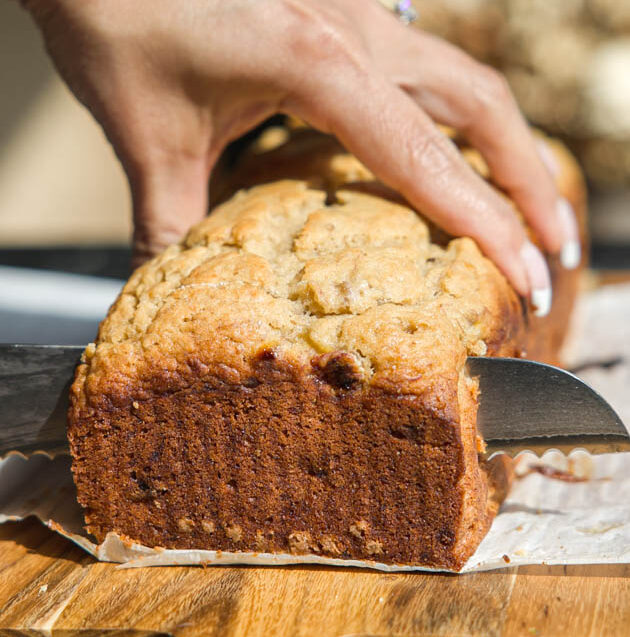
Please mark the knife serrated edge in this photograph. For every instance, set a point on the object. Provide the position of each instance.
(565, 445)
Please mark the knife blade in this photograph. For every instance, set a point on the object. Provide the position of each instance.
(34, 385)
(529, 406)
(523, 405)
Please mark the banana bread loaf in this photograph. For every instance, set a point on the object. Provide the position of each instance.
(290, 378)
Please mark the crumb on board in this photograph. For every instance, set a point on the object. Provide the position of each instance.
(599, 529)
(548, 471)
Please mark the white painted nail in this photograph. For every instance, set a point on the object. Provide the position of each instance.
(547, 157)
(538, 278)
(571, 253)
(541, 300)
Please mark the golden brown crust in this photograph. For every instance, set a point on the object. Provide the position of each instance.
(292, 377)
(278, 267)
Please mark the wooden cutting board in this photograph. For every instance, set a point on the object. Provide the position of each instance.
(50, 586)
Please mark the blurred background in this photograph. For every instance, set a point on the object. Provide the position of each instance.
(64, 202)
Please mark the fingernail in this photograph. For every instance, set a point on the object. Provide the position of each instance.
(571, 253)
(541, 300)
(547, 157)
(537, 277)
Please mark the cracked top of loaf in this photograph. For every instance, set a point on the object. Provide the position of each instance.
(279, 270)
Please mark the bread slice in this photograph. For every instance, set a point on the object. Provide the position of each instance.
(290, 378)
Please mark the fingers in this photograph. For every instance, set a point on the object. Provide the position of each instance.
(399, 143)
(492, 122)
(168, 198)
(455, 90)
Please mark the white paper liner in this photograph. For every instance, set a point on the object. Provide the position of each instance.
(544, 520)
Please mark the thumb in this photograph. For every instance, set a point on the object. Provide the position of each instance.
(168, 198)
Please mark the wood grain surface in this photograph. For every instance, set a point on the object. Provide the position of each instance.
(49, 586)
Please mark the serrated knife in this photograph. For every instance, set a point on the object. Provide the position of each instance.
(524, 405)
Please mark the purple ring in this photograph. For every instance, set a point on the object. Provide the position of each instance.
(405, 11)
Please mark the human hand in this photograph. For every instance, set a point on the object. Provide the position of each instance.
(172, 83)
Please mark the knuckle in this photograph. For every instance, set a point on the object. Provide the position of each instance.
(320, 33)
(434, 165)
(491, 91)
(430, 157)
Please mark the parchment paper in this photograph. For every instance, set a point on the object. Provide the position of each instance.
(544, 520)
